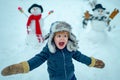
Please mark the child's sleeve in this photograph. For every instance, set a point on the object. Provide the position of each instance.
(93, 61)
(90, 61)
(38, 59)
(26, 66)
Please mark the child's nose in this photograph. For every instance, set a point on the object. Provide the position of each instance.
(62, 38)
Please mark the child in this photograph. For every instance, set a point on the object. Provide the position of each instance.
(61, 48)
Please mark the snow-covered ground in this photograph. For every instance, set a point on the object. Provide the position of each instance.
(13, 36)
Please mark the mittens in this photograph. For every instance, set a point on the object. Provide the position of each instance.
(15, 69)
(97, 63)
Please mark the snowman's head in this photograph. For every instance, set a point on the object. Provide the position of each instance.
(98, 10)
(35, 9)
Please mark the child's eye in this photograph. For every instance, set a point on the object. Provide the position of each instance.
(59, 35)
(65, 35)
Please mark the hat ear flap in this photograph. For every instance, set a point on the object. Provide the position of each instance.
(69, 46)
(73, 37)
(51, 44)
(72, 43)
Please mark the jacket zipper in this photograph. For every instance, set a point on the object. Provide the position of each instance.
(64, 64)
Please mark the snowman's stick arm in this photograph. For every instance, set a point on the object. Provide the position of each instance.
(25, 15)
(49, 13)
(112, 15)
(21, 10)
(45, 17)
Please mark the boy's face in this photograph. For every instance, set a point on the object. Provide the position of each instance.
(61, 39)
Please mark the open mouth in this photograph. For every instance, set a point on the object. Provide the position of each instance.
(61, 43)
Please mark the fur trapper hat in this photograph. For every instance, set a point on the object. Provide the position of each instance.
(57, 26)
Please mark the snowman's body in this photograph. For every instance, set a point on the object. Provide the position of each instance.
(97, 33)
(32, 27)
(99, 21)
(98, 26)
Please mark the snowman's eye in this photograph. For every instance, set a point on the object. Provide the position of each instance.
(100, 10)
(36, 7)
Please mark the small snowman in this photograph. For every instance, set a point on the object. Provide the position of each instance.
(35, 23)
(99, 22)
(100, 19)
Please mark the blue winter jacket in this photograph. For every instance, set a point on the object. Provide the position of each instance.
(60, 64)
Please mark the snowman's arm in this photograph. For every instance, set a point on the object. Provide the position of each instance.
(84, 22)
(114, 13)
(49, 13)
(87, 17)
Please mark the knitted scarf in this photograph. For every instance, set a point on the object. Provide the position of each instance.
(37, 24)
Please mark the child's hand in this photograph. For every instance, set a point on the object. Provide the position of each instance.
(15, 69)
(99, 64)
(12, 69)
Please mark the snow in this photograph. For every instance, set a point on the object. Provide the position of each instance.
(13, 38)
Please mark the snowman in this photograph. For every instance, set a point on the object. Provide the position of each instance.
(35, 24)
(98, 23)
(99, 19)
